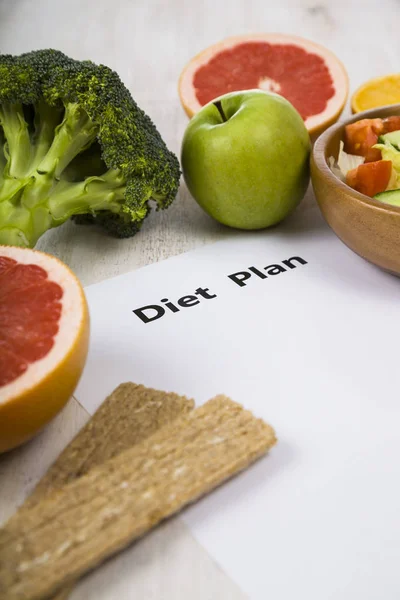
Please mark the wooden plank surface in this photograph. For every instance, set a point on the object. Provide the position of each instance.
(148, 43)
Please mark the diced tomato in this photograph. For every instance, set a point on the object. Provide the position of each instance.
(391, 124)
(370, 178)
(359, 137)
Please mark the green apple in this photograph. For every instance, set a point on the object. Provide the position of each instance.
(245, 158)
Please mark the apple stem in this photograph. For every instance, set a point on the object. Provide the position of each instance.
(221, 112)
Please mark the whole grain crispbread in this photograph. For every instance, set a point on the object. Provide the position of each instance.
(74, 529)
(128, 415)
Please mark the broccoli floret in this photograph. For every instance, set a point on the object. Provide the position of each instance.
(73, 143)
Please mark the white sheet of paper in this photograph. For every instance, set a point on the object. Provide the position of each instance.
(314, 351)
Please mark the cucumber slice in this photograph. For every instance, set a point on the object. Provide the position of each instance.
(392, 138)
(390, 197)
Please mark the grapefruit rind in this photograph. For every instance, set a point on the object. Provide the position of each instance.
(316, 123)
(28, 403)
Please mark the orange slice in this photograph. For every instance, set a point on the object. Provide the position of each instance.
(380, 91)
(44, 333)
(308, 75)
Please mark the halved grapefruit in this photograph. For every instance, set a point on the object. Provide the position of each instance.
(44, 334)
(308, 75)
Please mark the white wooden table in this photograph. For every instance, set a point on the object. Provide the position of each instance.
(148, 43)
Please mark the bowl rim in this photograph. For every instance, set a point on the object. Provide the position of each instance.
(320, 161)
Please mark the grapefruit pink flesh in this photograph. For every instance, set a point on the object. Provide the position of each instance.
(30, 310)
(308, 75)
(301, 77)
(44, 335)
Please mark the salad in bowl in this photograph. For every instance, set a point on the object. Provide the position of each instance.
(369, 158)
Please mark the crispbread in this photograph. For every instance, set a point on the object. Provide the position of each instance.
(88, 520)
(128, 415)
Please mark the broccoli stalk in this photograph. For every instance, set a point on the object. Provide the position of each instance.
(74, 144)
(33, 195)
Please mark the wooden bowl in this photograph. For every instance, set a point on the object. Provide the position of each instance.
(368, 227)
